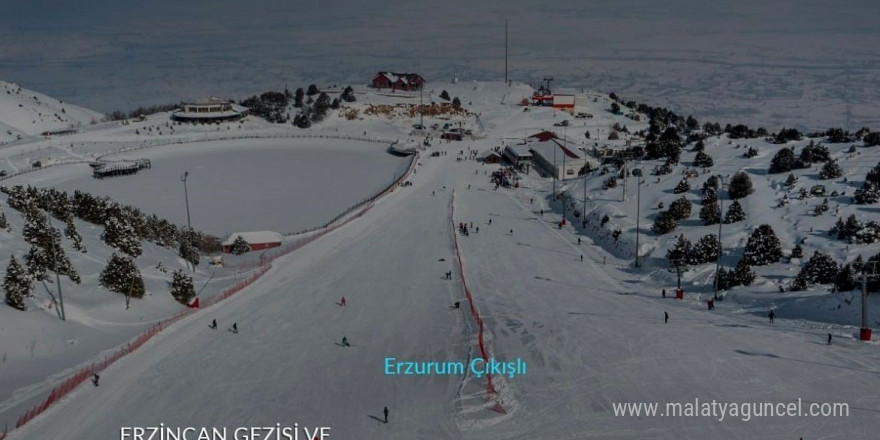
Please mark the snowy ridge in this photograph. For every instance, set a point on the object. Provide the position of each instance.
(26, 113)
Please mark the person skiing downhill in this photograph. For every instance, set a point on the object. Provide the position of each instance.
(234, 327)
(342, 302)
(665, 318)
(385, 411)
(214, 324)
(345, 342)
(771, 315)
(95, 379)
(829, 338)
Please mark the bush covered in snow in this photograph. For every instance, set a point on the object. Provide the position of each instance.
(763, 247)
(820, 269)
(122, 276)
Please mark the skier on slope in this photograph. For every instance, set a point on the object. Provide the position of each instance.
(665, 318)
(771, 315)
(345, 342)
(234, 327)
(214, 324)
(385, 411)
(829, 338)
(342, 302)
(95, 379)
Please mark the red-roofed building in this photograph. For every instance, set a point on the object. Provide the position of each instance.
(398, 81)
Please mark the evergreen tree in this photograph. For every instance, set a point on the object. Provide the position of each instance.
(847, 279)
(711, 184)
(683, 186)
(763, 247)
(820, 269)
(240, 246)
(187, 250)
(298, 98)
(36, 227)
(120, 235)
(313, 90)
(3, 223)
(791, 180)
(699, 146)
(322, 107)
(831, 170)
(705, 251)
(797, 251)
(740, 186)
(444, 95)
(456, 103)
(73, 235)
(680, 252)
(17, 285)
(680, 209)
(348, 95)
(783, 162)
(743, 274)
(335, 104)
(122, 276)
(664, 223)
(710, 213)
(182, 287)
(735, 213)
(868, 194)
(703, 160)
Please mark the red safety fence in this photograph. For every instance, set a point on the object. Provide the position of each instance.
(490, 388)
(85, 373)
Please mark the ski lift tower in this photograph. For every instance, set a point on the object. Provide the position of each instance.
(547, 80)
(865, 330)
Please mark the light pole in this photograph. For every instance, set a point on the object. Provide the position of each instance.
(638, 173)
(565, 141)
(584, 211)
(720, 222)
(555, 173)
(188, 222)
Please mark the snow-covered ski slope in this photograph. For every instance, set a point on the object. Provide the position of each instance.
(587, 342)
(26, 113)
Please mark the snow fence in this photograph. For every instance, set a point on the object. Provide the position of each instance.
(80, 376)
(491, 394)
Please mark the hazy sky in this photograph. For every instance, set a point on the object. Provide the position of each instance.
(811, 63)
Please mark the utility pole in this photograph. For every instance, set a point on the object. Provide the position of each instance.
(564, 153)
(865, 331)
(638, 206)
(555, 173)
(188, 222)
(421, 108)
(720, 222)
(505, 51)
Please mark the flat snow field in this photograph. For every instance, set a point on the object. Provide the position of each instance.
(587, 342)
(234, 185)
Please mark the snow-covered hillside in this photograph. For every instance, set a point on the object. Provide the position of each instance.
(27, 113)
(565, 298)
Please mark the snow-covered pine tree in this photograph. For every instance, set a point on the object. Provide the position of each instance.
(683, 186)
(831, 170)
(680, 252)
(740, 186)
(182, 287)
(17, 284)
(121, 275)
(743, 274)
(763, 247)
(680, 209)
(797, 251)
(705, 251)
(784, 161)
(711, 184)
(791, 180)
(120, 235)
(868, 194)
(703, 160)
(444, 95)
(664, 223)
(348, 95)
(3, 223)
(36, 227)
(73, 235)
(710, 213)
(820, 269)
(240, 246)
(187, 249)
(725, 279)
(735, 213)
